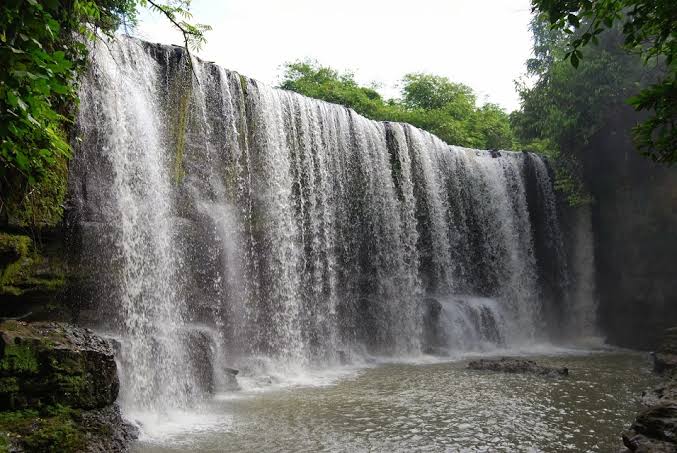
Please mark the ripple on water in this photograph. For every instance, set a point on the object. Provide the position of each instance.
(430, 407)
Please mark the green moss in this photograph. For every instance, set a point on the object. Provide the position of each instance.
(243, 84)
(40, 204)
(54, 429)
(19, 358)
(74, 385)
(10, 291)
(17, 243)
(9, 385)
(19, 253)
(185, 92)
(24, 269)
(15, 272)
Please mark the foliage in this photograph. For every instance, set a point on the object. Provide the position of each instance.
(43, 47)
(567, 106)
(433, 103)
(648, 28)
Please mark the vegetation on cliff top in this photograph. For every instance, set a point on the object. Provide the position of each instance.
(433, 103)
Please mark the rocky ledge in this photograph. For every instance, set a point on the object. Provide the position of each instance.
(58, 385)
(655, 427)
(508, 365)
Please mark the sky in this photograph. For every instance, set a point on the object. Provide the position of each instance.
(482, 43)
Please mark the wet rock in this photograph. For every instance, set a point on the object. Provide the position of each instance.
(58, 384)
(638, 443)
(655, 427)
(230, 377)
(343, 357)
(437, 351)
(665, 357)
(508, 365)
(32, 280)
(664, 363)
(434, 336)
(105, 430)
(199, 345)
(65, 429)
(48, 363)
(658, 422)
(667, 391)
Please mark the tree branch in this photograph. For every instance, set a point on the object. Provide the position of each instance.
(186, 33)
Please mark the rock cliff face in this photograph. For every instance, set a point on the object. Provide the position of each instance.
(58, 386)
(33, 279)
(634, 221)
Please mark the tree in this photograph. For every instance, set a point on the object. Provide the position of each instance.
(43, 50)
(567, 106)
(430, 92)
(313, 80)
(648, 28)
(430, 102)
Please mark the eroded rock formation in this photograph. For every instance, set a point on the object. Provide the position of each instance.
(58, 385)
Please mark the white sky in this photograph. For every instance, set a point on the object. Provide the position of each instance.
(482, 43)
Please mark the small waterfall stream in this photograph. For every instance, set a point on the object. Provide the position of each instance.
(223, 217)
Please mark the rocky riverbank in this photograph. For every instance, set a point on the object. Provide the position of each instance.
(655, 427)
(58, 385)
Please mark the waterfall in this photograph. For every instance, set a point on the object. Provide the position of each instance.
(222, 219)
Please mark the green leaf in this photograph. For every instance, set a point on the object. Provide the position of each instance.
(574, 60)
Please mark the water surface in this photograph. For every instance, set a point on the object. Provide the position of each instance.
(424, 407)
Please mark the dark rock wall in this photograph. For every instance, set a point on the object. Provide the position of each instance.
(58, 386)
(634, 220)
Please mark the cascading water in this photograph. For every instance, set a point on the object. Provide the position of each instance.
(136, 197)
(226, 218)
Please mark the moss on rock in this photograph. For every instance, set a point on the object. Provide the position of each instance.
(19, 359)
(52, 429)
(43, 364)
(31, 280)
(58, 384)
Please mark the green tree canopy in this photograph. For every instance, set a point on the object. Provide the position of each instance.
(432, 103)
(566, 106)
(648, 28)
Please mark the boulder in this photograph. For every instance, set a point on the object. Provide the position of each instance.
(64, 429)
(508, 365)
(230, 379)
(47, 363)
(658, 422)
(58, 385)
(655, 428)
